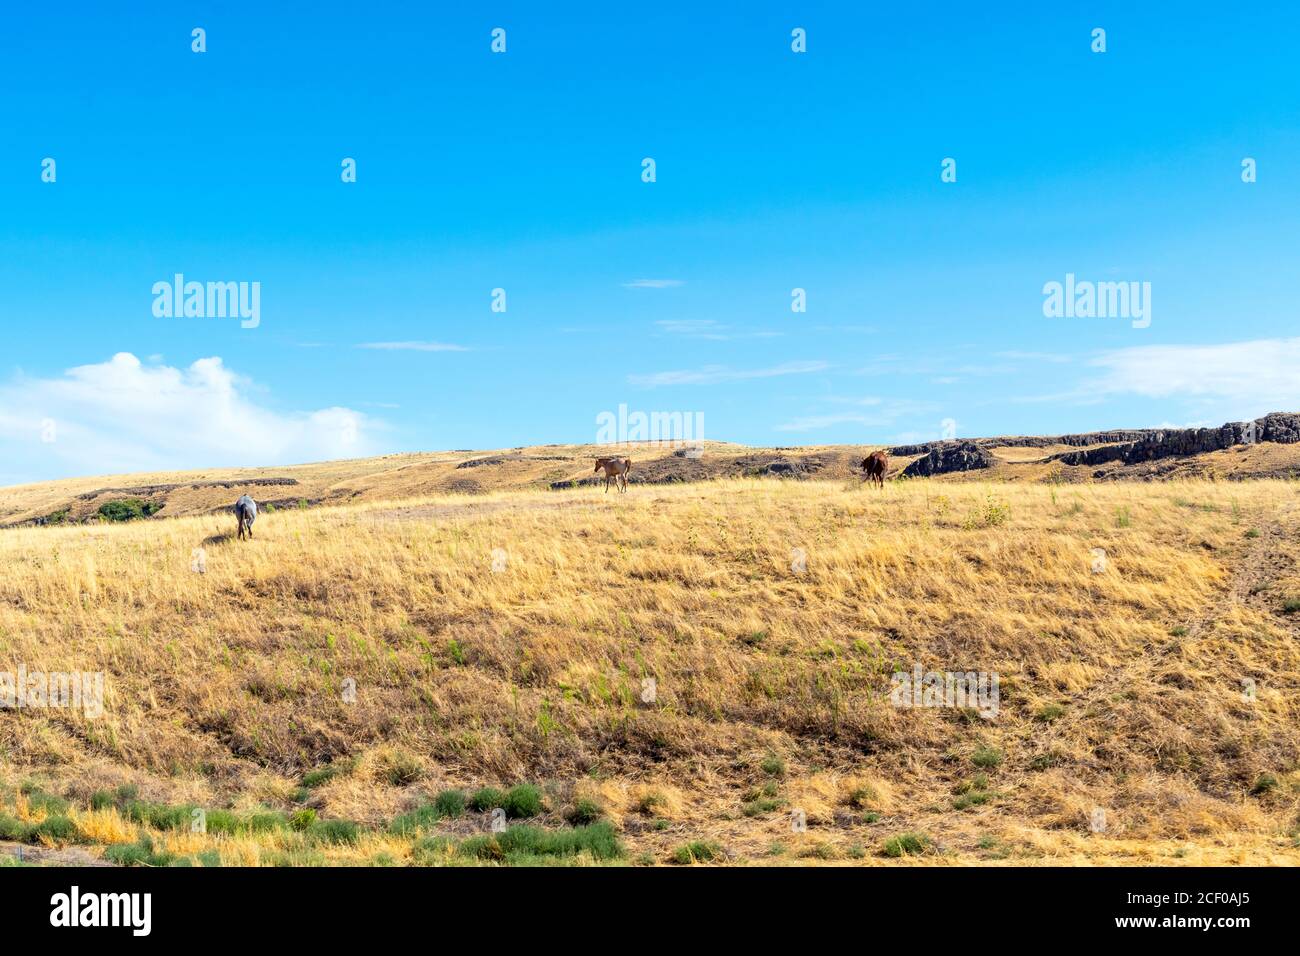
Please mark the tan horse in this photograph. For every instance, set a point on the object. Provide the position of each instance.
(876, 465)
(615, 469)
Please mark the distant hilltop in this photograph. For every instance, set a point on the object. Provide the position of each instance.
(1268, 447)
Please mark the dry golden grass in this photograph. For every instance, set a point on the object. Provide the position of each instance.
(1120, 690)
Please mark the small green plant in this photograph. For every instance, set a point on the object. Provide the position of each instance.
(1122, 518)
(773, 766)
(818, 851)
(1178, 631)
(315, 778)
(139, 853)
(336, 832)
(995, 512)
(584, 812)
(303, 819)
(400, 769)
(697, 851)
(1264, 784)
(906, 844)
(1291, 605)
(1049, 712)
(760, 806)
(986, 757)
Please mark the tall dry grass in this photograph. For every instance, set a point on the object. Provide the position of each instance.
(1120, 690)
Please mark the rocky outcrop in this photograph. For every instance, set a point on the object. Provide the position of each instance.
(1129, 446)
(1029, 441)
(948, 457)
(1280, 427)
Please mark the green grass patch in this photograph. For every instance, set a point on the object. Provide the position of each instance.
(906, 844)
(697, 851)
(522, 802)
(128, 509)
(486, 798)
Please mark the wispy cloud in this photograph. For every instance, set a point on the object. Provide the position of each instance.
(870, 412)
(413, 347)
(1053, 358)
(122, 416)
(709, 330)
(654, 283)
(1246, 378)
(721, 374)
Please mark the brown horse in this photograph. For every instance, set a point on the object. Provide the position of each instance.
(616, 469)
(876, 465)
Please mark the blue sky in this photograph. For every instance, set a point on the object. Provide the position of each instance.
(522, 171)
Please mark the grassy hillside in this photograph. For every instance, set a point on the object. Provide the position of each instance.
(503, 639)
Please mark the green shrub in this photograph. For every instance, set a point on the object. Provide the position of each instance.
(337, 832)
(265, 821)
(314, 778)
(140, 853)
(760, 806)
(481, 847)
(1266, 783)
(303, 819)
(159, 816)
(773, 766)
(11, 828)
(487, 798)
(906, 844)
(128, 509)
(57, 828)
(697, 851)
(450, 804)
(1049, 712)
(598, 840)
(986, 757)
(522, 801)
(584, 812)
(401, 769)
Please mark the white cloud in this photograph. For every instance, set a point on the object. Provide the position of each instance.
(413, 347)
(121, 416)
(653, 283)
(720, 374)
(1241, 378)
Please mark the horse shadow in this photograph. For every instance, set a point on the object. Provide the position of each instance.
(216, 539)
